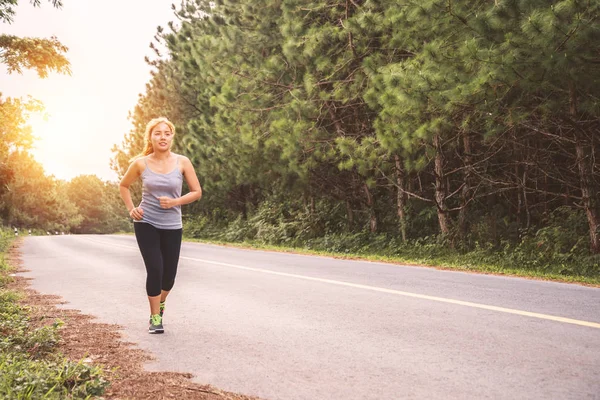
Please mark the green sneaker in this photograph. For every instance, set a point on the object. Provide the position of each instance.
(162, 308)
(162, 311)
(156, 324)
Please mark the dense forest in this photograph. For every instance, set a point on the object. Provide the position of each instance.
(462, 126)
(421, 128)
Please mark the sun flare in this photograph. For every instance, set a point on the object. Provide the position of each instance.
(65, 145)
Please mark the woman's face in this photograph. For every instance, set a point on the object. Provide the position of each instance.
(161, 137)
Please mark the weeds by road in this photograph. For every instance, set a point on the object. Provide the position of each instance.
(50, 352)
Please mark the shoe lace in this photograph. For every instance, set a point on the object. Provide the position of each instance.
(156, 319)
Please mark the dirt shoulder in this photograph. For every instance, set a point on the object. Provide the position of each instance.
(84, 338)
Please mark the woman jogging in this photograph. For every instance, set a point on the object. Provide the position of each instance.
(157, 220)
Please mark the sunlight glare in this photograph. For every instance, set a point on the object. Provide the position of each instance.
(65, 145)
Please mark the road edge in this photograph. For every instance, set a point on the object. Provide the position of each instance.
(85, 339)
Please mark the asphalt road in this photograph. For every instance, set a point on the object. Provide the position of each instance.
(284, 326)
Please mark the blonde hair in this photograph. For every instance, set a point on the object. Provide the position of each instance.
(148, 149)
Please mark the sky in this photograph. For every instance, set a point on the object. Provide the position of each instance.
(86, 113)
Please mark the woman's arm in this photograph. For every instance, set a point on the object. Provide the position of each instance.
(133, 172)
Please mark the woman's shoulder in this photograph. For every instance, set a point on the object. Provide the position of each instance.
(181, 158)
(141, 161)
(139, 164)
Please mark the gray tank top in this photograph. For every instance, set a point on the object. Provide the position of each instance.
(155, 185)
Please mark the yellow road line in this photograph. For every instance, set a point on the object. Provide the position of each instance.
(391, 291)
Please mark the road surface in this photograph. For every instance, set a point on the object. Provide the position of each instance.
(285, 326)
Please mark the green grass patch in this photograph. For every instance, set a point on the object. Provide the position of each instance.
(527, 260)
(30, 365)
(438, 256)
(557, 249)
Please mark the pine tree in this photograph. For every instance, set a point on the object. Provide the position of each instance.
(538, 66)
(475, 120)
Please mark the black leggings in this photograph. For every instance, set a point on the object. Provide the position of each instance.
(160, 251)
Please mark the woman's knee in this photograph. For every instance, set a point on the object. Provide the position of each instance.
(167, 285)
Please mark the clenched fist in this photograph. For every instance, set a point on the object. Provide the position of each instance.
(167, 202)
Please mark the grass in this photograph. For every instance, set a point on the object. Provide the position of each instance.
(449, 261)
(30, 365)
(474, 262)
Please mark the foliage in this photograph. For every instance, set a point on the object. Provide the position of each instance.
(14, 133)
(99, 205)
(30, 366)
(18, 53)
(460, 128)
(28, 198)
(7, 8)
(42, 55)
(24, 378)
(33, 200)
(558, 249)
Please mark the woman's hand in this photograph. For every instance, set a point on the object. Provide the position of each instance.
(136, 213)
(167, 202)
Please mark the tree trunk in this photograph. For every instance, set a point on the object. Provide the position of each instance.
(545, 194)
(244, 201)
(372, 216)
(525, 200)
(440, 189)
(349, 215)
(588, 191)
(400, 197)
(523, 187)
(466, 190)
(587, 197)
(519, 196)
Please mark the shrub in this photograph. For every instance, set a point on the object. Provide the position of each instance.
(30, 367)
(26, 378)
